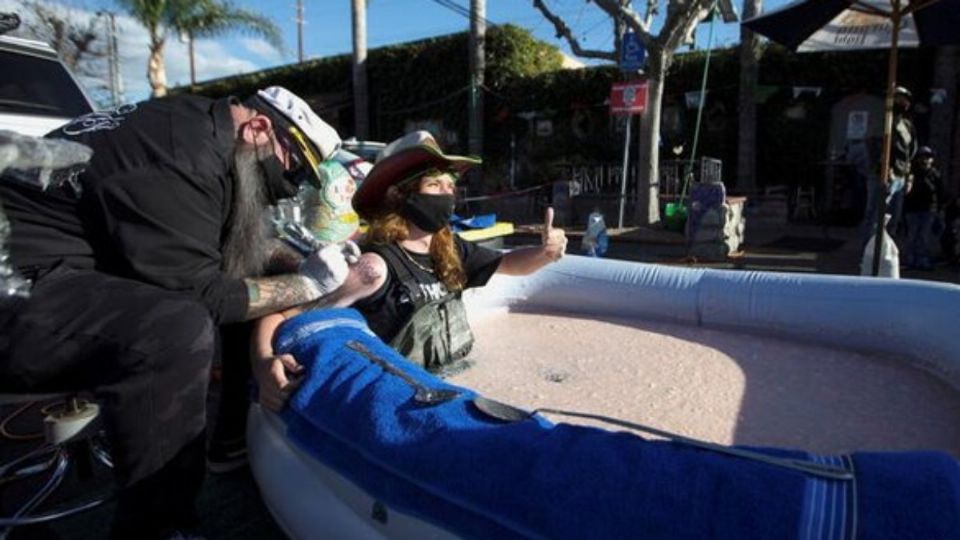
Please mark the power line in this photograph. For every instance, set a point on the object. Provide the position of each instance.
(453, 6)
(459, 10)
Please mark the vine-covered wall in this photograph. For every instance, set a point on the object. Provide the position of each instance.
(538, 115)
(795, 95)
(421, 82)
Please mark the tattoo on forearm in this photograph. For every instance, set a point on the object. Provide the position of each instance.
(272, 294)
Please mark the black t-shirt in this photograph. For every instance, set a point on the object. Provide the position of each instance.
(925, 195)
(390, 307)
(154, 203)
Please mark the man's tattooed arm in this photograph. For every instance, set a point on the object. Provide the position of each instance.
(276, 293)
(364, 279)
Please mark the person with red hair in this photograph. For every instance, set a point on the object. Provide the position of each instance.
(409, 280)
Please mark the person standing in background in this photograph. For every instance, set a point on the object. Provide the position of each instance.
(921, 208)
(903, 148)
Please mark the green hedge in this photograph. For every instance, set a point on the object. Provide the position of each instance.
(426, 79)
(429, 79)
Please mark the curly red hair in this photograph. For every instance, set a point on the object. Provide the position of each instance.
(389, 226)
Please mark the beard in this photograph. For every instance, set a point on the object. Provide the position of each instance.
(246, 248)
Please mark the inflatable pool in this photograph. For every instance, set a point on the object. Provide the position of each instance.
(353, 457)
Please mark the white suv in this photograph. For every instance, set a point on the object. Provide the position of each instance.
(37, 92)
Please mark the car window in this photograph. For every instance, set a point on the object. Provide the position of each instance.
(34, 85)
(367, 150)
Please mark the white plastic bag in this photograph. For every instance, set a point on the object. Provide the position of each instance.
(889, 256)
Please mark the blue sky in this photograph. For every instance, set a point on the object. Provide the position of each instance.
(327, 32)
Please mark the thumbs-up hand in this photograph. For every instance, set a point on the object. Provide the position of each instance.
(554, 240)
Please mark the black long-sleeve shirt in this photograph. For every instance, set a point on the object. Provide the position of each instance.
(154, 204)
(926, 195)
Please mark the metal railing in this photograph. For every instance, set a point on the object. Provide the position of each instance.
(672, 172)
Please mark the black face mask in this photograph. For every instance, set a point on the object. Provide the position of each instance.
(281, 184)
(429, 212)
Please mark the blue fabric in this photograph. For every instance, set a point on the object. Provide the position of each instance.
(481, 221)
(704, 197)
(450, 465)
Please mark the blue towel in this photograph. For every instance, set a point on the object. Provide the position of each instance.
(479, 478)
(482, 221)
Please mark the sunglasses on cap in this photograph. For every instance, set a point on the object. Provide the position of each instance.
(303, 160)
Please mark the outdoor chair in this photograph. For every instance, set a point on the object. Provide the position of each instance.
(805, 203)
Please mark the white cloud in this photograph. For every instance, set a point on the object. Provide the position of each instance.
(213, 58)
(262, 48)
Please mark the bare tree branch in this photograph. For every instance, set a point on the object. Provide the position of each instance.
(563, 31)
(77, 42)
(624, 12)
(682, 19)
(653, 8)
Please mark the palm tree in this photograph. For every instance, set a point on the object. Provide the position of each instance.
(193, 18)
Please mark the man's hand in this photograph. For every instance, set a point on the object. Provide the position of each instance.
(327, 267)
(554, 240)
(277, 377)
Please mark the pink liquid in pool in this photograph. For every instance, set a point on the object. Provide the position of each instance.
(718, 386)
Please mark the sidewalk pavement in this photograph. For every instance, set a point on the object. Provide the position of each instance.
(795, 247)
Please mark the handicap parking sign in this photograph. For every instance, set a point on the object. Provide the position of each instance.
(633, 56)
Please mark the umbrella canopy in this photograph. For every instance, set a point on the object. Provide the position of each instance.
(829, 25)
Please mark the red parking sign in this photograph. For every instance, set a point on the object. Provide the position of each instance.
(628, 97)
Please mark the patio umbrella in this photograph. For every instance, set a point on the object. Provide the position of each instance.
(829, 25)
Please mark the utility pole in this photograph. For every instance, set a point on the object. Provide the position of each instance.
(478, 32)
(113, 58)
(300, 30)
(360, 92)
(193, 60)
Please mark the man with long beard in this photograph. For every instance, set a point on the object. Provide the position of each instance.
(138, 260)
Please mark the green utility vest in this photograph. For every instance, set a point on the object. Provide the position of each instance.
(438, 335)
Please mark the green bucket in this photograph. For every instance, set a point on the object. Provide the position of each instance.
(675, 216)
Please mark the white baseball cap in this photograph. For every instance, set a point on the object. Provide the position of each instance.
(297, 112)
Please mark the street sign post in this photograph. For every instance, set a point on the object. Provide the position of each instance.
(628, 97)
(633, 55)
